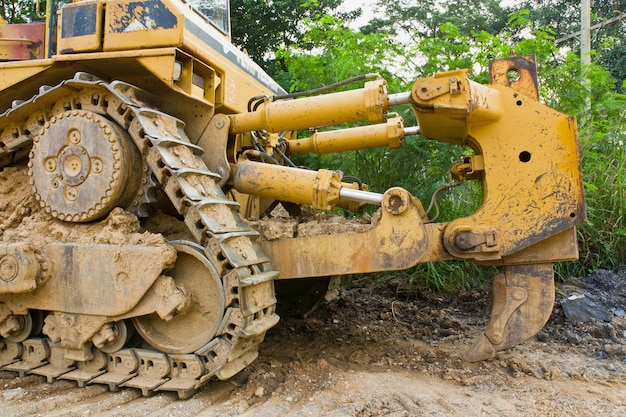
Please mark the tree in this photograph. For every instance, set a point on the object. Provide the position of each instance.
(330, 51)
(261, 26)
(563, 16)
(17, 11)
(423, 19)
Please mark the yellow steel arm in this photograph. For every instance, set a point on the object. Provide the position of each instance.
(526, 159)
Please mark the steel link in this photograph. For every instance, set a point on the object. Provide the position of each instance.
(194, 190)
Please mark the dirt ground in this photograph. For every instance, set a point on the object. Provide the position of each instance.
(379, 349)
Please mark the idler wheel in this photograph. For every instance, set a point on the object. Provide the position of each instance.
(82, 166)
(198, 324)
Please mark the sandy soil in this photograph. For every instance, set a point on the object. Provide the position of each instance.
(379, 349)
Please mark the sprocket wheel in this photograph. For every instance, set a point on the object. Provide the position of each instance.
(82, 165)
(198, 323)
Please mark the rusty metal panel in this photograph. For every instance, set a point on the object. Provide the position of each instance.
(20, 270)
(22, 41)
(83, 278)
(518, 72)
(529, 160)
(398, 241)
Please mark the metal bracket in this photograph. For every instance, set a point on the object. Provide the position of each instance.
(517, 72)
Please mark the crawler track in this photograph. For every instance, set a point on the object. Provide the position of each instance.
(173, 163)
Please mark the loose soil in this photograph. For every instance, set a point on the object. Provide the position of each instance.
(380, 349)
(377, 349)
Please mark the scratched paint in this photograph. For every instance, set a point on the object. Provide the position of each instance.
(142, 16)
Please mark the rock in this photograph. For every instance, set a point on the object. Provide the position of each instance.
(240, 379)
(14, 393)
(573, 338)
(260, 392)
(322, 364)
(603, 331)
(584, 307)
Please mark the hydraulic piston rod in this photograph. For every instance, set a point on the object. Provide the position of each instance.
(321, 189)
(363, 137)
(367, 103)
(360, 196)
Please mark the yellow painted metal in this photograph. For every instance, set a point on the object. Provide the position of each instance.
(232, 87)
(69, 284)
(557, 248)
(449, 103)
(518, 72)
(523, 297)
(20, 270)
(368, 103)
(398, 241)
(197, 79)
(363, 137)
(560, 247)
(317, 188)
(531, 185)
(128, 26)
(15, 72)
(84, 42)
(134, 65)
(215, 74)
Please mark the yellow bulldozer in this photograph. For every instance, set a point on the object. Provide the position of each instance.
(140, 152)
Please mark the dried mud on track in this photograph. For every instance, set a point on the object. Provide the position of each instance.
(380, 350)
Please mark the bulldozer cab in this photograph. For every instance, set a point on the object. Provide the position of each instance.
(217, 12)
(69, 19)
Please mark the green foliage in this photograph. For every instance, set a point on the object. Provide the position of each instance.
(602, 237)
(424, 19)
(333, 53)
(19, 11)
(443, 277)
(563, 18)
(260, 27)
(421, 165)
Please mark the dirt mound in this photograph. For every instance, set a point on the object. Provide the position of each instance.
(22, 219)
